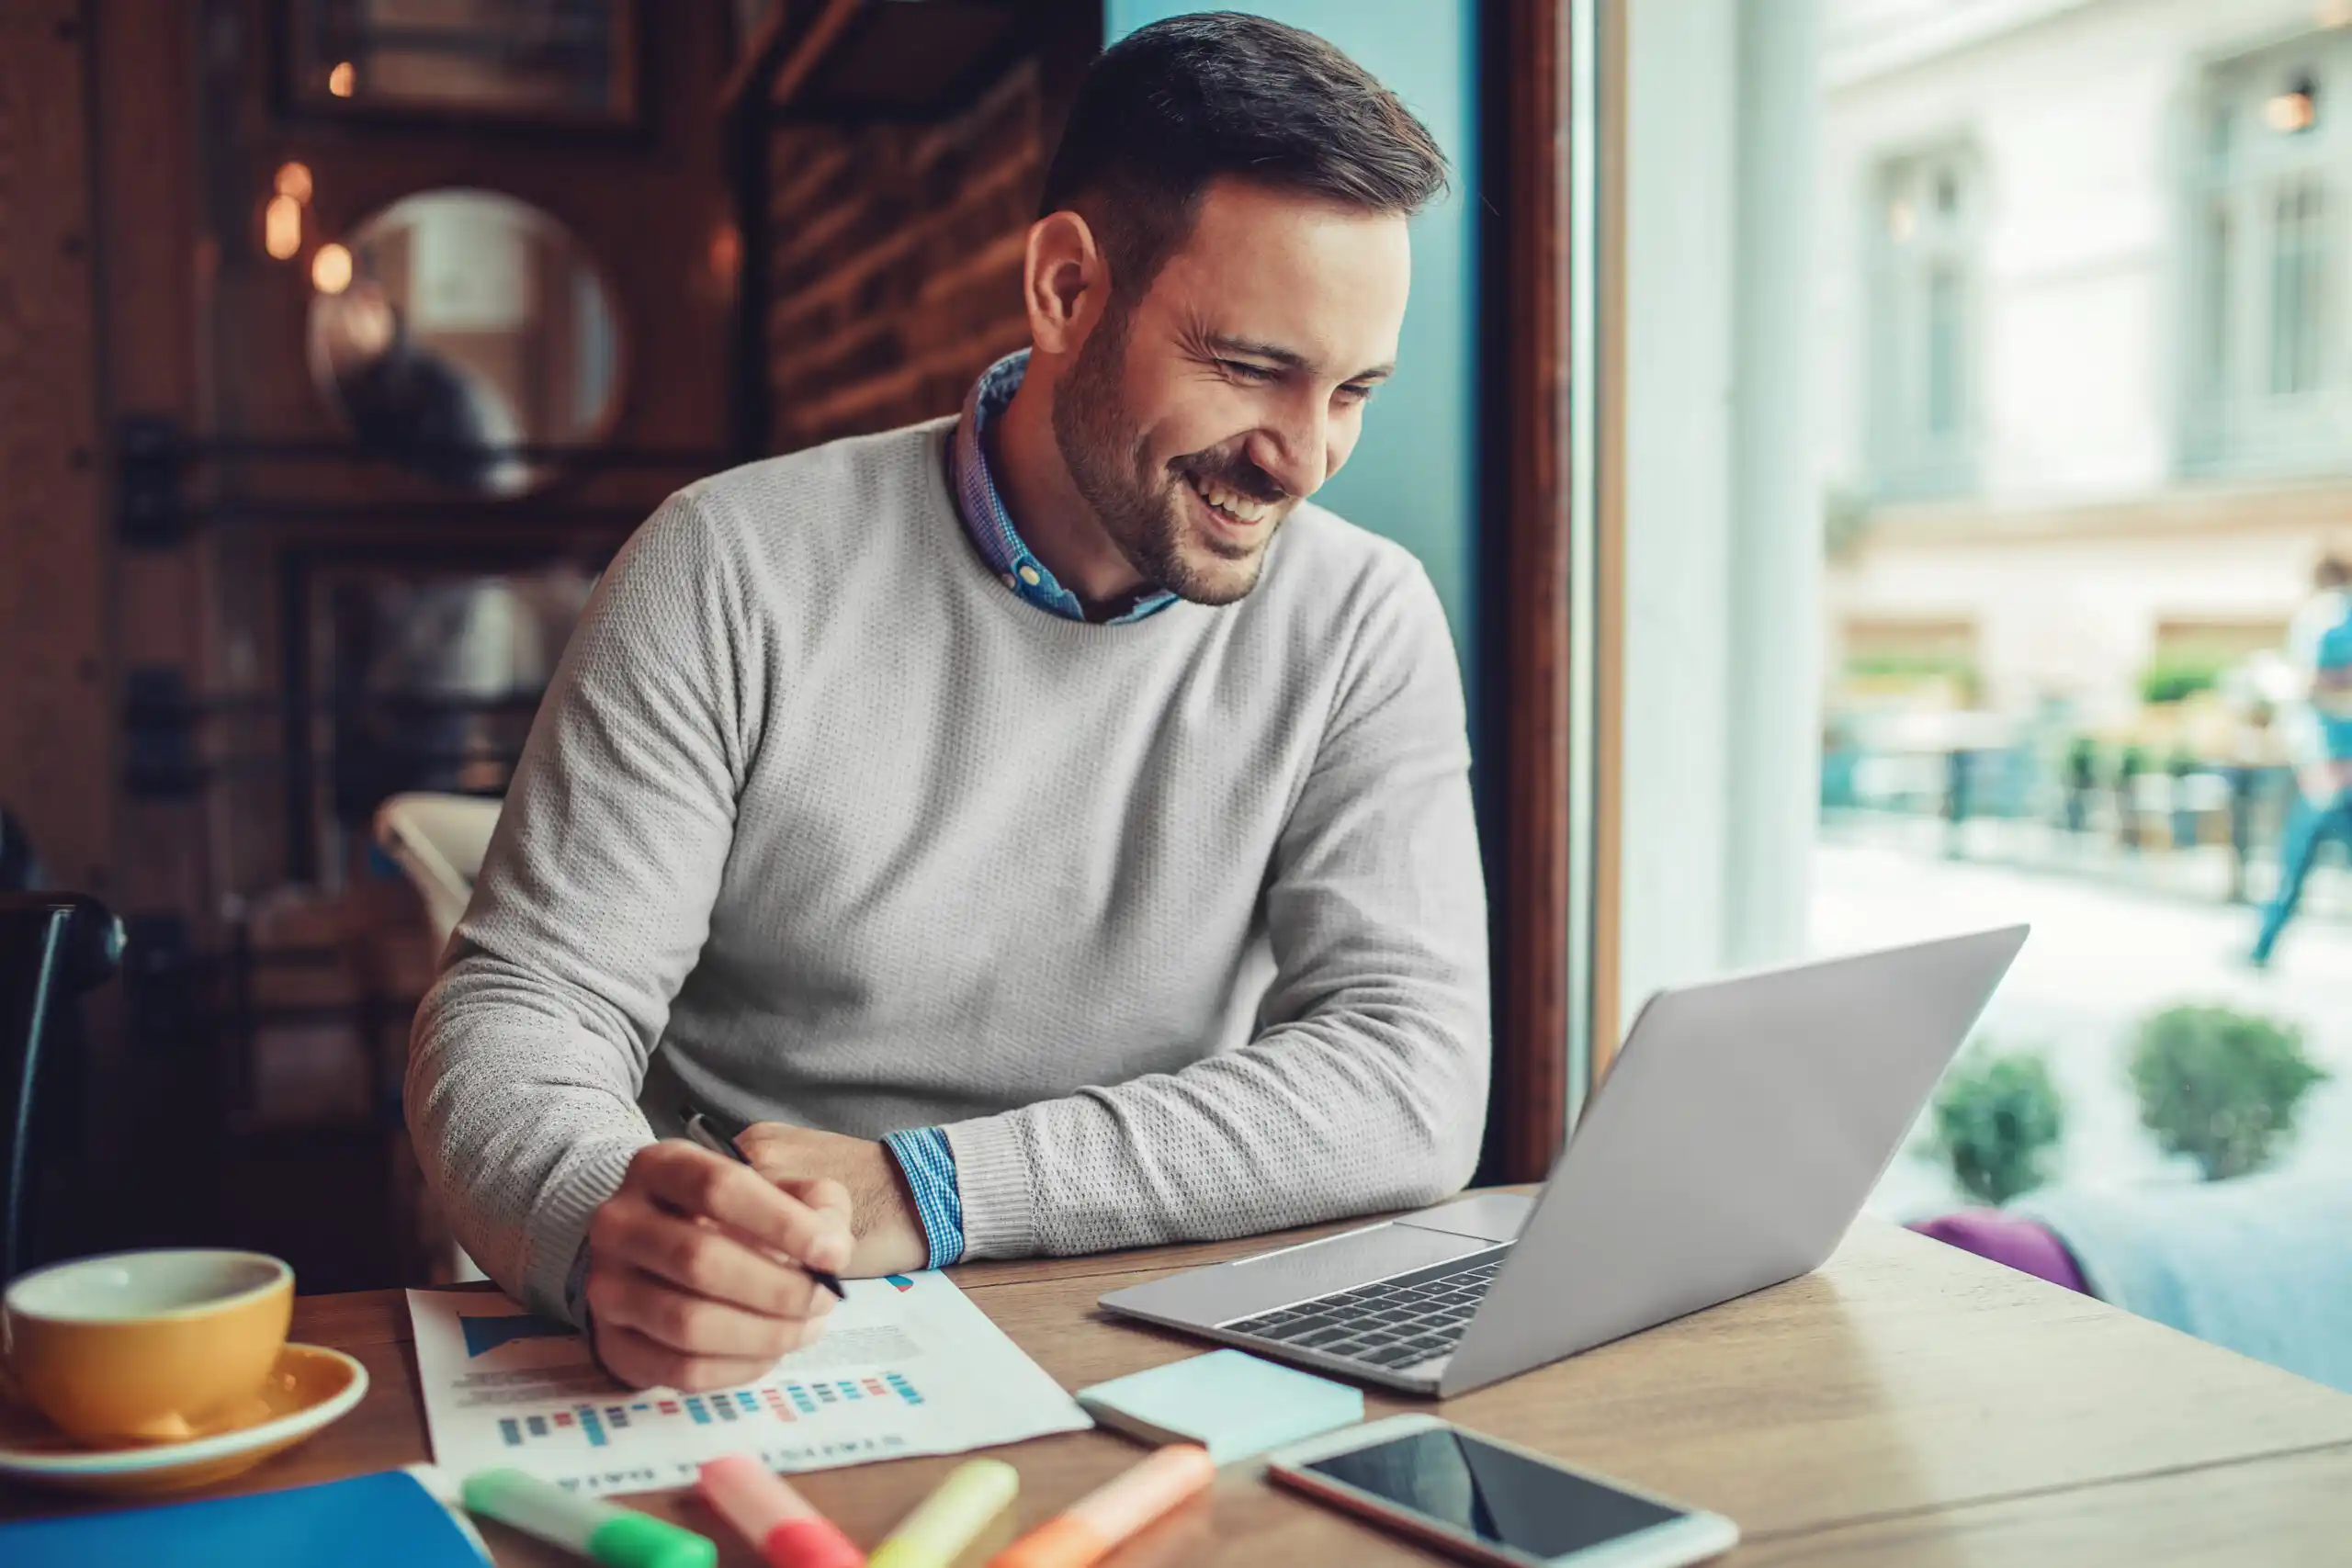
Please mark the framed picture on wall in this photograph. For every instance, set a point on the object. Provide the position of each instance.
(572, 62)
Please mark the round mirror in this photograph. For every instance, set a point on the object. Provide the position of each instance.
(456, 326)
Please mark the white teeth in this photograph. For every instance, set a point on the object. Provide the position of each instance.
(1238, 506)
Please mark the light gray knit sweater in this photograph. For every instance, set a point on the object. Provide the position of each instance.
(1176, 926)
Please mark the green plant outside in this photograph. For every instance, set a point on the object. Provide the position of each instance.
(2177, 677)
(2220, 1086)
(2082, 762)
(1923, 666)
(1909, 669)
(1996, 1118)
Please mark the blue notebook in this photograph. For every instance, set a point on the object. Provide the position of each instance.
(1228, 1401)
(387, 1520)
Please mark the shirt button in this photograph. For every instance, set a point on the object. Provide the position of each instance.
(1007, 579)
(1029, 575)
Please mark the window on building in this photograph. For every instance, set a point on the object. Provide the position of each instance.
(1923, 229)
(2269, 391)
(2298, 284)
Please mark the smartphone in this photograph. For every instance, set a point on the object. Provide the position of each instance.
(1495, 1502)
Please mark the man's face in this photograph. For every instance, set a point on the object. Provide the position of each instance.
(1195, 418)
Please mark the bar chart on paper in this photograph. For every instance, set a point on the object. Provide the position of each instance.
(907, 1366)
(788, 1401)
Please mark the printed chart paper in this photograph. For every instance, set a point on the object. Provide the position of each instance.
(907, 1365)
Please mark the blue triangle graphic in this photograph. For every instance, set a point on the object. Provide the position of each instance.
(485, 1335)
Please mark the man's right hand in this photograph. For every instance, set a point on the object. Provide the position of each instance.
(697, 1269)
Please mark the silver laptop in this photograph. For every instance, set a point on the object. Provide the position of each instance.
(1729, 1148)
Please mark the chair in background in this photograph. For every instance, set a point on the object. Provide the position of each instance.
(53, 947)
(438, 840)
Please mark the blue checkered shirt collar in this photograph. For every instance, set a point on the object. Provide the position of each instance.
(982, 506)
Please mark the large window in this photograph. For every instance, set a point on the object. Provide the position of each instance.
(2092, 229)
(1923, 225)
(2269, 385)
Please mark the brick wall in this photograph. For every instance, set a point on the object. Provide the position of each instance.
(896, 261)
(56, 717)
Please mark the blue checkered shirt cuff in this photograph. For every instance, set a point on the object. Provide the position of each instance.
(930, 1167)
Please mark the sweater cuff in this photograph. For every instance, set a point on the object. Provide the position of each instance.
(555, 1236)
(992, 1170)
(929, 1166)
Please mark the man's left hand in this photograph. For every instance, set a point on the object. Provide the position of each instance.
(887, 1236)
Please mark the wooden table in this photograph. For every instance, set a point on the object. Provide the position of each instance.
(1909, 1403)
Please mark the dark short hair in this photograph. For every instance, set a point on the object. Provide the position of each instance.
(1173, 107)
(2333, 571)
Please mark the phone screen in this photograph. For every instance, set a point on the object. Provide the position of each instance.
(1493, 1494)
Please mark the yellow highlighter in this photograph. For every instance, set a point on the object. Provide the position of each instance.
(951, 1518)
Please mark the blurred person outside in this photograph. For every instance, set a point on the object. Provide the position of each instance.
(2252, 718)
(2319, 648)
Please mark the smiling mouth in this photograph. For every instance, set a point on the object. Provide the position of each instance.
(1231, 507)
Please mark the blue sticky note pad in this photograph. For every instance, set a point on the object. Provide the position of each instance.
(1228, 1401)
(388, 1520)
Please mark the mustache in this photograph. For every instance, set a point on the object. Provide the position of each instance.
(1236, 473)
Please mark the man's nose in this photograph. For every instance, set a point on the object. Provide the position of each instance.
(1293, 453)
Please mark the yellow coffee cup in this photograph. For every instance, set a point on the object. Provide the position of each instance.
(146, 1346)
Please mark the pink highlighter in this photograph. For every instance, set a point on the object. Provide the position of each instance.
(774, 1517)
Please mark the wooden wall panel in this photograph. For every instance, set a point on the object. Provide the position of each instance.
(55, 724)
(143, 72)
(1528, 372)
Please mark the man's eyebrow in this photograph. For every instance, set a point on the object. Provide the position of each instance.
(1250, 348)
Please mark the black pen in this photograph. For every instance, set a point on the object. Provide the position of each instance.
(717, 1133)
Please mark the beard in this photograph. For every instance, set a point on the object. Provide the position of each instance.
(1142, 505)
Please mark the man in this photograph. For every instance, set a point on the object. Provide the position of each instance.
(2319, 649)
(1050, 830)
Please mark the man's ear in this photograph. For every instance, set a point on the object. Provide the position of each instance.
(1064, 281)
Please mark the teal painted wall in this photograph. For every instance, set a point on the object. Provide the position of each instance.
(1414, 475)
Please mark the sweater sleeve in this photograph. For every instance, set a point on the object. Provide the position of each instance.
(591, 907)
(1366, 1087)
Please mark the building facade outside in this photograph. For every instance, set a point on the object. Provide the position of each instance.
(2083, 384)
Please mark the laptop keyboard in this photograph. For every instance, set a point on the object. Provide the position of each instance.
(1397, 1323)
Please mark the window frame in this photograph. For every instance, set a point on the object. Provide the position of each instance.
(1909, 458)
(2239, 420)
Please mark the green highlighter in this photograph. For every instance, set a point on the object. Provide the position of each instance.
(617, 1537)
